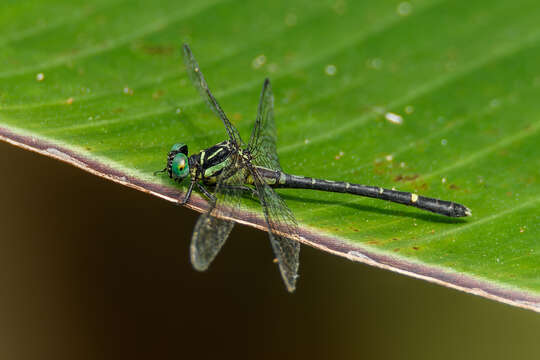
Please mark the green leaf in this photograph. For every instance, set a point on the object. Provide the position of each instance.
(102, 86)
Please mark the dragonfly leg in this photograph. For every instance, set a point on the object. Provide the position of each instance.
(188, 194)
(206, 193)
(160, 171)
(243, 188)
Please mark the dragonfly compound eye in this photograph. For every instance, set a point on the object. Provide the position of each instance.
(179, 166)
(179, 147)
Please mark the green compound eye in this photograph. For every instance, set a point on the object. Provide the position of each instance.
(179, 166)
(179, 147)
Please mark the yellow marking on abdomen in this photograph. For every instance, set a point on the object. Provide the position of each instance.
(414, 198)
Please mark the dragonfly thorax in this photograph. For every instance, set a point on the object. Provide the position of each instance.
(209, 163)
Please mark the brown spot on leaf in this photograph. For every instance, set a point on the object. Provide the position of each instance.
(415, 248)
(156, 49)
(454, 187)
(396, 249)
(157, 94)
(404, 178)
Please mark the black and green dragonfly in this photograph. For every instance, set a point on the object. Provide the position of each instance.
(233, 168)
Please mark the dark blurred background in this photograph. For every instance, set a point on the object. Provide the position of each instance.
(91, 270)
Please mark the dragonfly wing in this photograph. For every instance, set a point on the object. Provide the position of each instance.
(287, 252)
(282, 229)
(211, 229)
(282, 226)
(209, 236)
(262, 143)
(197, 78)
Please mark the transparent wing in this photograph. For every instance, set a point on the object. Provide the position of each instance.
(197, 78)
(211, 230)
(209, 236)
(282, 229)
(262, 143)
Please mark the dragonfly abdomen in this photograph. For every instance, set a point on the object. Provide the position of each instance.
(443, 207)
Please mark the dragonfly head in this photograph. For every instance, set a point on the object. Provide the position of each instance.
(177, 162)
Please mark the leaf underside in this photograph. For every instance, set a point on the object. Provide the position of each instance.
(102, 86)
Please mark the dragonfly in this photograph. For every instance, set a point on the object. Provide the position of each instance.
(233, 168)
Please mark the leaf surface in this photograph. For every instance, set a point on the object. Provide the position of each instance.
(103, 86)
